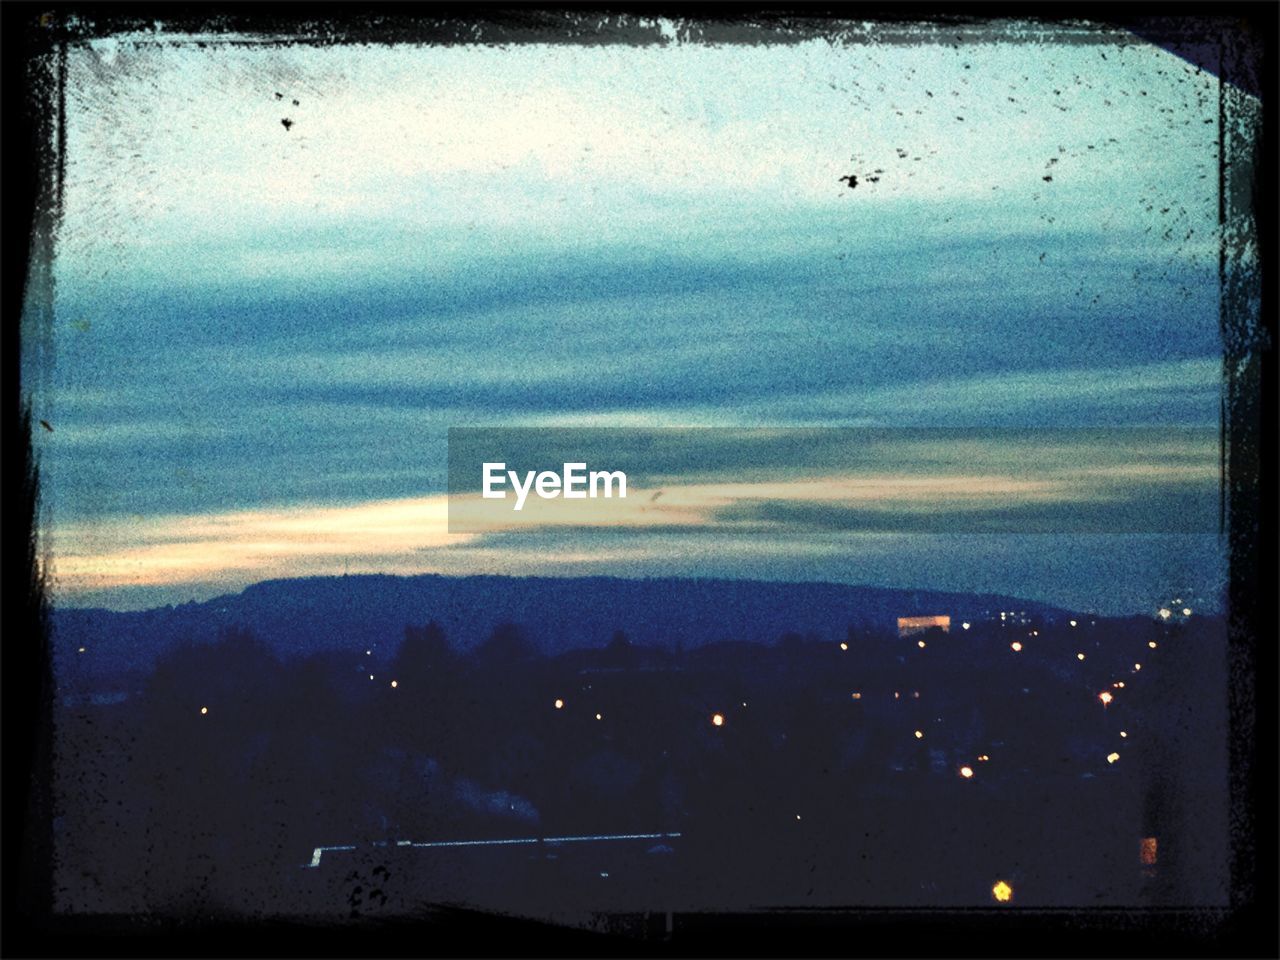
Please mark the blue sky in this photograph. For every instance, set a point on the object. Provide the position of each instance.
(254, 323)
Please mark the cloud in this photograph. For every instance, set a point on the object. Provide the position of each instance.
(750, 484)
(256, 323)
(1117, 394)
(244, 545)
(170, 144)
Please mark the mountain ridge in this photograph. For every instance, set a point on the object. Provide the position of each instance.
(298, 616)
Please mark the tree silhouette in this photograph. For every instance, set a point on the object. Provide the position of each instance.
(505, 647)
(423, 656)
(620, 653)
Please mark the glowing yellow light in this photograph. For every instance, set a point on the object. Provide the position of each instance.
(1123, 734)
(1112, 757)
(1079, 656)
(983, 759)
(394, 684)
(1119, 684)
(717, 719)
(907, 626)
(1148, 850)
(856, 696)
(559, 704)
(1016, 646)
(966, 772)
(599, 717)
(1105, 697)
(203, 711)
(1002, 892)
(1186, 611)
(1072, 622)
(921, 644)
(844, 646)
(1165, 613)
(1137, 666)
(919, 734)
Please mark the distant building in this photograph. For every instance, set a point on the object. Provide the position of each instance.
(909, 626)
(1010, 618)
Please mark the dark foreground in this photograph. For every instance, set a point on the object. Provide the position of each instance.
(935, 769)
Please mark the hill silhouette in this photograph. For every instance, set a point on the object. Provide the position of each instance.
(308, 615)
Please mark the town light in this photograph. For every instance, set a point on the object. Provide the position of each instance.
(1002, 892)
(559, 704)
(394, 684)
(1151, 644)
(919, 734)
(1147, 852)
(1105, 697)
(1112, 757)
(203, 711)
(1016, 646)
(843, 645)
(717, 719)
(1079, 656)
(966, 772)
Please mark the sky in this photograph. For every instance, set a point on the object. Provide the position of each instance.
(261, 333)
